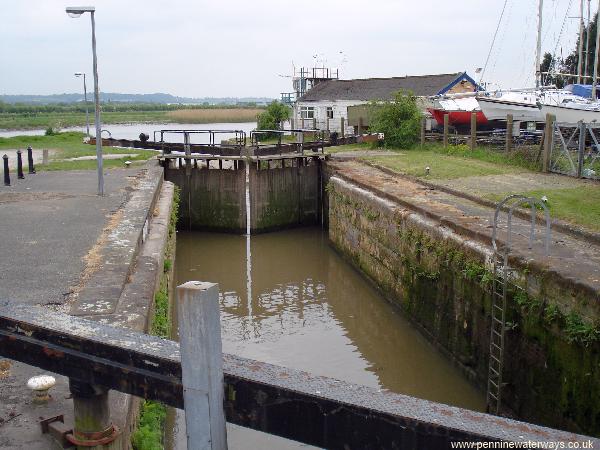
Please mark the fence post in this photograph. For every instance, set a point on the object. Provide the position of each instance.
(327, 124)
(445, 130)
(30, 160)
(292, 123)
(423, 123)
(201, 365)
(45, 157)
(473, 130)
(360, 126)
(548, 142)
(6, 171)
(509, 132)
(581, 149)
(342, 134)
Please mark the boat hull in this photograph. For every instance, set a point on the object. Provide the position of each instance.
(495, 109)
(458, 118)
(571, 115)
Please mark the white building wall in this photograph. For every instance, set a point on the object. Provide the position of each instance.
(340, 109)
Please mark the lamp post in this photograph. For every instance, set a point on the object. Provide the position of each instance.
(76, 11)
(87, 111)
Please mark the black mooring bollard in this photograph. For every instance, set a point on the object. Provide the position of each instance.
(30, 159)
(20, 175)
(6, 171)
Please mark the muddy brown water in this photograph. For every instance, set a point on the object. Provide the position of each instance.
(295, 302)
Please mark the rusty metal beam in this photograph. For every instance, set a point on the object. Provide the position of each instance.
(315, 410)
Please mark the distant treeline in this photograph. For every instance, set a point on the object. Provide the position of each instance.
(26, 108)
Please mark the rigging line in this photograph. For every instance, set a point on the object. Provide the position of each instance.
(562, 29)
(493, 41)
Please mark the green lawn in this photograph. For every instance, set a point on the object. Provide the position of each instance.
(70, 145)
(579, 205)
(442, 165)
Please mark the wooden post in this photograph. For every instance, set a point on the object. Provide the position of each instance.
(360, 126)
(548, 142)
(509, 133)
(292, 123)
(581, 148)
(473, 130)
(201, 365)
(342, 135)
(45, 157)
(423, 122)
(445, 130)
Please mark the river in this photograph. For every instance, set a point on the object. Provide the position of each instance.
(133, 130)
(295, 302)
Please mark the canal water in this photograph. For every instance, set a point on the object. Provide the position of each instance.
(292, 300)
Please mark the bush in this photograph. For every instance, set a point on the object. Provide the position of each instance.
(50, 131)
(274, 115)
(399, 120)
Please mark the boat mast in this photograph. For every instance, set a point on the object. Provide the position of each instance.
(596, 56)
(587, 41)
(538, 53)
(580, 58)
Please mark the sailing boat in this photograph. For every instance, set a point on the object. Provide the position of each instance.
(524, 104)
(579, 109)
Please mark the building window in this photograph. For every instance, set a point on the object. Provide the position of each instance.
(330, 112)
(307, 112)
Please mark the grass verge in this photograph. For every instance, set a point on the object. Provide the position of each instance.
(70, 145)
(578, 205)
(447, 163)
(150, 431)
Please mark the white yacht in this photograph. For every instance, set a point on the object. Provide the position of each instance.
(573, 110)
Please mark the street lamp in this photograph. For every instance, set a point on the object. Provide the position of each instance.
(87, 111)
(76, 11)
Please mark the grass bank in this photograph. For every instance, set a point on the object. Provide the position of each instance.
(64, 146)
(150, 431)
(33, 120)
(493, 175)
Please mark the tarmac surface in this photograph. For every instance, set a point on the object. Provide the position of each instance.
(49, 222)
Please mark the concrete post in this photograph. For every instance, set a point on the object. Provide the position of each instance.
(548, 142)
(201, 365)
(45, 157)
(509, 133)
(423, 123)
(446, 130)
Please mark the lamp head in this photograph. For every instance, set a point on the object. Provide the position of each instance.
(76, 11)
(78, 74)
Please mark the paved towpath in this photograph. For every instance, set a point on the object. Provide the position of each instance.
(48, 223)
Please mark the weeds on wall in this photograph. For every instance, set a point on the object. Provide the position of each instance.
(150, 431)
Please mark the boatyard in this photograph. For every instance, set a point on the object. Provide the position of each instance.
(354, 252)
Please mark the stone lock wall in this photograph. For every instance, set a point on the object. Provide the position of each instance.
(443, 282)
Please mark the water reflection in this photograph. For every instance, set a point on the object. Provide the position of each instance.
(306, 308)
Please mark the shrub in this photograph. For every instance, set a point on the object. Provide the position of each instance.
(274, 115)
(399, 120)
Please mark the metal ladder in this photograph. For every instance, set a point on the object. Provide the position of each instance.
(501, 279)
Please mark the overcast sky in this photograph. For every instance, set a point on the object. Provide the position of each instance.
(244, 47)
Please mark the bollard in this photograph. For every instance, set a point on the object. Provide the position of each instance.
(201, 365)
(92, 425)
(6, 171)
(30, 160)
(20, 175)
